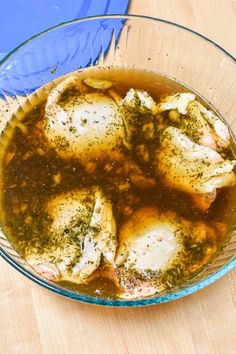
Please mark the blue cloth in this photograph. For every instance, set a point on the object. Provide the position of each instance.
(31, 17)
(22, 19)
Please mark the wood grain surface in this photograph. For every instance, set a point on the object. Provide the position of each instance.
(35, 321)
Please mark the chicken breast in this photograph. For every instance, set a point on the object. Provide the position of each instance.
(138, 109)
(147, 245)
(220, 131)
(178, 101)
(198, 123)
(190, 167)
(156, 251)
(147, 241)
(139, 101)
(82, 230)
(93, 126)
(81, 124)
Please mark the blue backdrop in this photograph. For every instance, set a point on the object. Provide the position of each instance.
(21, 19)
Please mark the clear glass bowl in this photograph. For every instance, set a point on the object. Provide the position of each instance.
(124, 41)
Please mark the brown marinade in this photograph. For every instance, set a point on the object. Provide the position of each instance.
(33, 172)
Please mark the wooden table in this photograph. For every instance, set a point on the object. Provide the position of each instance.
(34, 321)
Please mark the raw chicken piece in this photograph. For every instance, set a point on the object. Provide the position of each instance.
(204, 201)
(197, 122)
(82, 230)
(147, 241)
(132, 287)
(177, 101)
(139, 110)
(99, 84)
(220, 130)
(147, 245)
(197, 128)
(203, 127)
(139, 100)
(154, 245)
(94, 126)
(190, 167)
(87, 126)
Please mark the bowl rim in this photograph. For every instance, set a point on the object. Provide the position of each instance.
(118, 302)
(121, 16)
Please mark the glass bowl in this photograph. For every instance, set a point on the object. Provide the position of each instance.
(124, 41)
